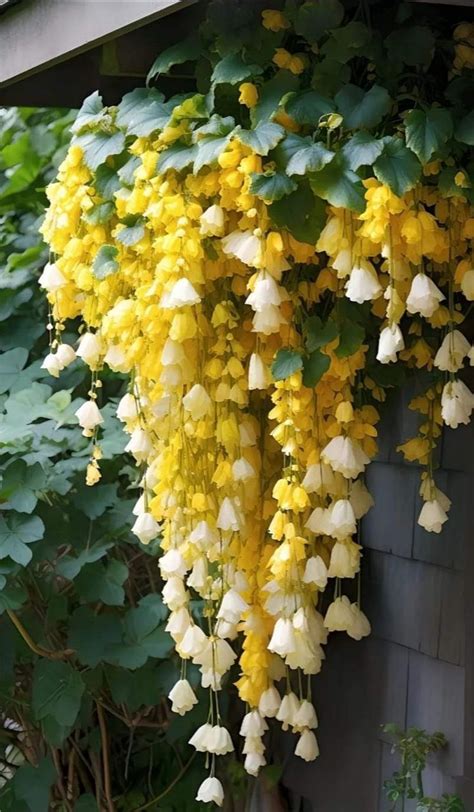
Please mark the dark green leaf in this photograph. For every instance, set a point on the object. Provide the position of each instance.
(208, 150)
(105, 262)
(69, 567)
(309, 159)
(270, 186)
(351, 338)
(142, 112)
(98, 583)
(106, 181)
(100, 213)
(86, 803)
(339, 185)
(363, 109)
(308, 106)
(314, 367)
(427, 131)
(97, 147)
(300, 213)
(21, 484)
(126, 172)
(32, 784)
(187, 50)
(132, 233)
(413, 45)
(263, 138)
(465, 129)
(91, 112)
(232, 69)
(314, 18)
(362, 150)
(57, 691)
(286, 363)
(271, 95)
(397, 166)
(16, 533)
(11, 364)
(93, 648)
(178, 157)
(319, 334)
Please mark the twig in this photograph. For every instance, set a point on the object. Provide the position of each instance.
(105, 758)
(39, 650)
(168, 788)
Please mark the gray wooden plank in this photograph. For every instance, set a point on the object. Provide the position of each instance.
(389, 524)
(452, 630)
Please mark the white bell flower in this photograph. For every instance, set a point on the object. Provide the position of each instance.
(452, 352)
(89, 416)
(265, 292)
(174, 593)
(139, 506)
(178, 623)
(139, 444)
(467, 285)
(244, 245)
(228, 518)
(172, 354)
(172, 563)
(200, 739)
(342, 519)
(363, 284)
(52, 364)
(316, 572)
(319, 522)
(90, 349)
(197, 578)
(219, 741)
(457, 403)
(232, 607)
(253, 724)
(51, 278)
(306, 716)
(288, 710)
(193, 643)
(268, 320)
(307, 747)
(242, 470)
(66, 355)
(146, 528)
(432, 516)
(361, 499)
(283, 640)
(211, 791)
(116, 359)
(270, 702)
(345, 456)
(259, 374)
(182, 697)
(319, 477)
(254, 762)
(127, 408)
(339, 616)
(360, 626)
(390, 342)
(343, 563)
(182, 294)
(212, 221)
(424, 296)
(197, 402)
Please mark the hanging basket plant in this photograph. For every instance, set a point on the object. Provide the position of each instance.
(264, 260)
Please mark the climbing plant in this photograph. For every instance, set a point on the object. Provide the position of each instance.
(264, 260)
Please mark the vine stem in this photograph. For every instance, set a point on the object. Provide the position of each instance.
(168, 789)
(39, 650)
(105, 758)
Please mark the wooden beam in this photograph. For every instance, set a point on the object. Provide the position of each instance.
(468, 3)
(37, 34)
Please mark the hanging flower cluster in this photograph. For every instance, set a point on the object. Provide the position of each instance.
(264, 264)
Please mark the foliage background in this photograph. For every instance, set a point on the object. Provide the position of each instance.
(85, 659)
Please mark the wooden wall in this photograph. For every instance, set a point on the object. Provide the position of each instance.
(415, 669)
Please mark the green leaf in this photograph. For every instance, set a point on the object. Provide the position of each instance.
(70, 566)
(301, 213)
(309, 159)
(126, 172)
(132, 233)
(286, 363)
(397, 166)
(97, 147)
(20, 485)
(57, 691)
(363, 109)
(187, 50)
(413, 45)
(270, 186)
(447, 184)
(271, 94)
(314, 18)
(288, 147)
(262, 139)
(465, 129)
(362, 150)
(12, 598)
(106, 181)
(307, 106)
(178, 156)
(16, 533)
(232, 70)
(98, 583)
(32, 784)
(142, 112)
(217, 125)
(91, 112)
(314, 367)
(11, 364)
(192, 107)
(100, 213)
(319, 334)
(339, 185)
(96, 647)
(105, 262)
(427, 131)
(351, 338)
(346, 42)
(95, 501)
(208, 150)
